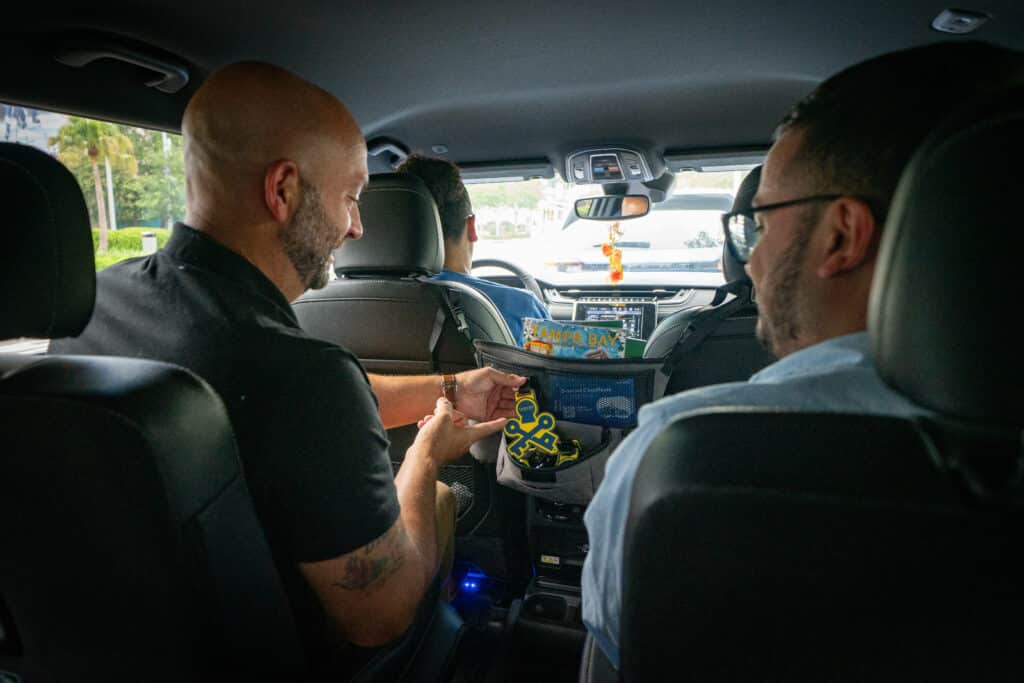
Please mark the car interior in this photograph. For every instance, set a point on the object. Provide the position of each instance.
(760, 545)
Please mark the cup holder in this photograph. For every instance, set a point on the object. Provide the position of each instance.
(549, 607)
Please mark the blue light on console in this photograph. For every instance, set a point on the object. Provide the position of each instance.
(473, 582)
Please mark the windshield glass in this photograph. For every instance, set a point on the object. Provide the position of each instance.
(533, 224)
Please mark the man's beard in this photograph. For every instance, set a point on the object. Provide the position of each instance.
(310, 239)
(779, 328)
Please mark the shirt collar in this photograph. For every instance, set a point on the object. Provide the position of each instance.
(200, 250)
(839, 352)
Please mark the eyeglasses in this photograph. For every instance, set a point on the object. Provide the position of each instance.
(742, 230)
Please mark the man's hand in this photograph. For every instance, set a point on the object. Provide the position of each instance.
(487, 394)
(446, 434)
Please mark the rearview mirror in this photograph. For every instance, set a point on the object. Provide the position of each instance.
(613, 207)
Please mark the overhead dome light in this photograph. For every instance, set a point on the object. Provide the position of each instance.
(959, 21)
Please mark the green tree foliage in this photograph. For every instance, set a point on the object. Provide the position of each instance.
(126, 243)
(85, 142)
(161, 180)
(130, 239)
(521, 195)
(149, 191)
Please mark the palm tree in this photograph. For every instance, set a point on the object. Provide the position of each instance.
(98, 141)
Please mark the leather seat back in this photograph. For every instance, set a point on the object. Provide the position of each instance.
(771, 546)
(382, 307)
(726, 348)
(385, 310)
(764, 545)
(130, 547)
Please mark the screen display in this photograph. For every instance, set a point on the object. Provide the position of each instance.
(605, 167)
(638, 318)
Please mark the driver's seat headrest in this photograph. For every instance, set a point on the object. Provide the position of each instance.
(731, 268)
(47, 269)
(401, 230)
(942, 301)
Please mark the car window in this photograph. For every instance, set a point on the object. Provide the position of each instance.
(132, 179)
(534, 225)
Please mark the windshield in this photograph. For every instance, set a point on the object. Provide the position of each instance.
(533, 224)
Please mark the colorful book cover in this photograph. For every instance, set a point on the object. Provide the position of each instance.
(573, 340)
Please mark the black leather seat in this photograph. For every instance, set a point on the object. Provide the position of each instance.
(129, 547)
(382, 307)
(764, 546)
(715, 343)
(385, 310)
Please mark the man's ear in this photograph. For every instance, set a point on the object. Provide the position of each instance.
(471, 228)
(281, 191)
(851, 238)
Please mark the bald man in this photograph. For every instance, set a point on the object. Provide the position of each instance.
(274, 168)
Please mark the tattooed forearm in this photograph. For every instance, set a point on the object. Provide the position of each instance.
(378, 559)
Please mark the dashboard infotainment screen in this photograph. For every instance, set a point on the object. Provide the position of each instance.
(638, 317)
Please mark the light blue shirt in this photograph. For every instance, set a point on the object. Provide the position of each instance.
(514, 304)
(836, 376)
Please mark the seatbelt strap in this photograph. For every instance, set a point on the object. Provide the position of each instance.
(452, 301)
(701, 327)
(435, 336)
(740, 288)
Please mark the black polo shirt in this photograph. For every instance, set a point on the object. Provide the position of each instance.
(306, 420)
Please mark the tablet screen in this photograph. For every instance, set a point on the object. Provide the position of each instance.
(638, 317)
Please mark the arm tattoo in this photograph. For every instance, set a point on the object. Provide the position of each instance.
(378, 559)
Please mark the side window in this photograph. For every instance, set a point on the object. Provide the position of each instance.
(132, 178)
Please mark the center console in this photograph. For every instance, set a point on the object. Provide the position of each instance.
(557, 539)
(558, 545)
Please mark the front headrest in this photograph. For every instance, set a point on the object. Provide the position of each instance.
(401, 230)
(942, 303)
(47, 269)
(733, 269)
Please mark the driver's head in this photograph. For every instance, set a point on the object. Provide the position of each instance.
(443, 180)
(273, 166)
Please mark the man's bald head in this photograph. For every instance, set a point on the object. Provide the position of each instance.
(248, 115)
(273, 169)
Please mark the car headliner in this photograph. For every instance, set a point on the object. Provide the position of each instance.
(492, 81)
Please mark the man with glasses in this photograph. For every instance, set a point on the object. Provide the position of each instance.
(809, 239)
(458, 224)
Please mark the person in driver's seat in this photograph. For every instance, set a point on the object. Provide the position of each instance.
(459, 226)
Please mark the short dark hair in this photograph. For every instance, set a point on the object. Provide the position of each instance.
(443, 180)
(862, 125)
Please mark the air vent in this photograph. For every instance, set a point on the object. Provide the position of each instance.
(666, 294)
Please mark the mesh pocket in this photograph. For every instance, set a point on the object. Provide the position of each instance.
(574, 482)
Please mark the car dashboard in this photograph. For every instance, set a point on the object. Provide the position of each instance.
(643, 307)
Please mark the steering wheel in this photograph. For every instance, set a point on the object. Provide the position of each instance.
(528, 280)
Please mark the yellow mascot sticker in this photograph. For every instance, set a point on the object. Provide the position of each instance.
(531, 428)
